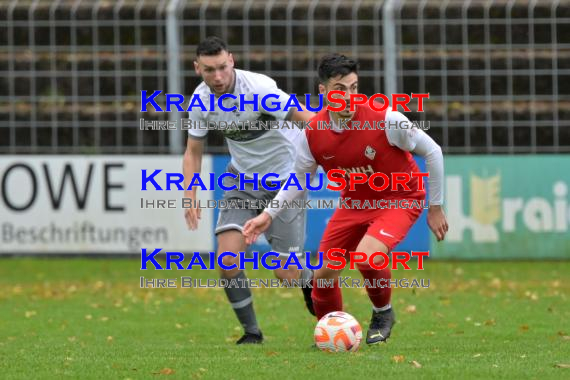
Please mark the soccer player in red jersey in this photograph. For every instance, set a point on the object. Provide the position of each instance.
(366, 151)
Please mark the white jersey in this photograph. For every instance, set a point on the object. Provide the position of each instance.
(252, 151)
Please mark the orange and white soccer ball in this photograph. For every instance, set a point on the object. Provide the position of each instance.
(338, 332)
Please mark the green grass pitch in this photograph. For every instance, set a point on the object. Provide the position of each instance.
(88, 319)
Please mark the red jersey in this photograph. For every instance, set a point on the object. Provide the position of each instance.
(364, 151)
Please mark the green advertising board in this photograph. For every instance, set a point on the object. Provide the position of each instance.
(506, 207)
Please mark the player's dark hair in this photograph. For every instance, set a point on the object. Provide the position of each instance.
(211, 46)
(333, 65)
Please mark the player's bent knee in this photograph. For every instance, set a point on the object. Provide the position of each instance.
(292, 273)
(229, 261)
(378, 258)
(373, 249)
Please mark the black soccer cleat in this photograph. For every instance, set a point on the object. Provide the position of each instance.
(307, 291)
(250, 338)
(380, 326)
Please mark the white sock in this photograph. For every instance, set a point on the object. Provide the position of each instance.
(383, 308)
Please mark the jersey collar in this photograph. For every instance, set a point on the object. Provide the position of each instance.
(336, 126)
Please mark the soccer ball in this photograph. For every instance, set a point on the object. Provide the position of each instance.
(338, 332)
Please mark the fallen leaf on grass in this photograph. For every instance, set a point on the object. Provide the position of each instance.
(98, 285)
(524, 327)
(165, 371)
(415, 364)
(398, 358)
(271, 353)
(532, 295)
(410, 309)
(562, 365)
(490, 322)
(495, 283)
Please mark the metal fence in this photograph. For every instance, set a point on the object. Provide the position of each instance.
(71, 72)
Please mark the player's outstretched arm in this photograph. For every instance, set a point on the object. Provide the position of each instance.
(256, 226)
(304, 163)
(417, 141)
(192, 163)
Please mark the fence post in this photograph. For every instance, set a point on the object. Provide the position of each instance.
(390, 49)
(174, 74)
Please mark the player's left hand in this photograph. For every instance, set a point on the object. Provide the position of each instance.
(437, 222)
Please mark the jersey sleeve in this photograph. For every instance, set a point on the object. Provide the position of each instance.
(417, 141)
(304, 163)
(267, 86)
(196, 117)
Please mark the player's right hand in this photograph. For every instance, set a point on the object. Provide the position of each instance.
(255, 227)
(437, 222)
(192, 215)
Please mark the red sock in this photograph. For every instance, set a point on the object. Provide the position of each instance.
(325, 299)
(379, 296)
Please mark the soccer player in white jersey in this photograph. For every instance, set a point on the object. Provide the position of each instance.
(252, 151)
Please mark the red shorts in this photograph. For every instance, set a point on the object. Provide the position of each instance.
(347, 227)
